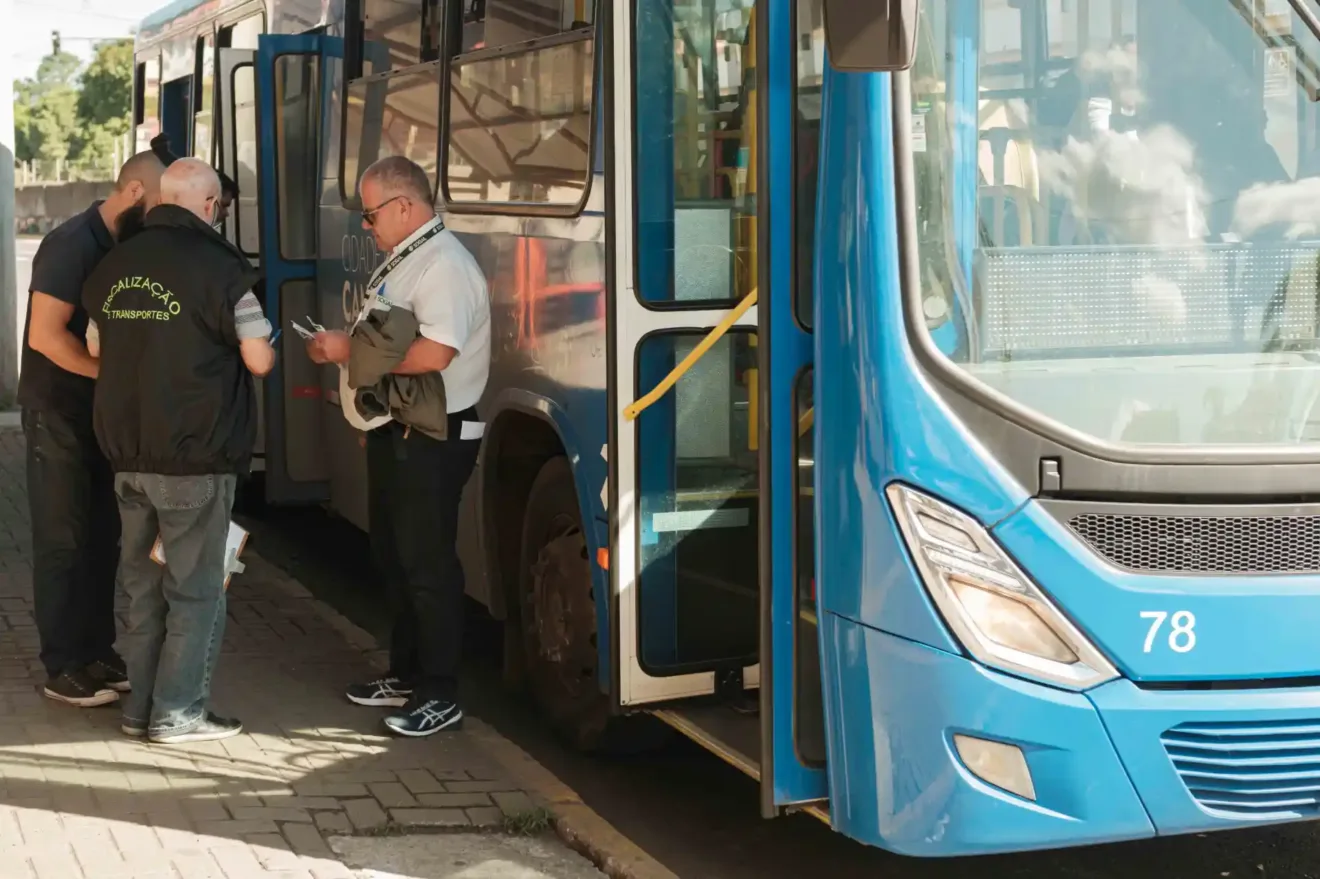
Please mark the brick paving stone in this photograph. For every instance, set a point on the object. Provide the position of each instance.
(430, 817)
(80, 801)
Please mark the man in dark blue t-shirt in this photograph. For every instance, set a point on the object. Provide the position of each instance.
(75, 520)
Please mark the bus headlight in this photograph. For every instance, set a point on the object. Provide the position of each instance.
(999, 615)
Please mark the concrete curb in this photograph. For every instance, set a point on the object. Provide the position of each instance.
(10, 419)
(576, 823)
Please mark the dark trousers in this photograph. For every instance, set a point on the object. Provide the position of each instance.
(75, 540)
(415, 484)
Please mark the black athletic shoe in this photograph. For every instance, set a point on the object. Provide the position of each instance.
(112, 673)
(213, 728)
(418, 719)
(384, 693)
(77, 687)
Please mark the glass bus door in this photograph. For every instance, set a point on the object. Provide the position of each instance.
(704, 468)
(289, 76)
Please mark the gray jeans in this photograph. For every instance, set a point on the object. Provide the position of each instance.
(176, 614)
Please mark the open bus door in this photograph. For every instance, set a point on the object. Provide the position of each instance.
(290, 111)
(705, 473)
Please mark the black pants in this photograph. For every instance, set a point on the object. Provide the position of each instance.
(415, 484)
(75, 540)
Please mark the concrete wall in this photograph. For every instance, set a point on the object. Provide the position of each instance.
(41, 207)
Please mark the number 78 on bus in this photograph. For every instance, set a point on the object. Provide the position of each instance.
(914, 403)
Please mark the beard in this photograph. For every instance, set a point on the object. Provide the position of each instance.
(131, 221)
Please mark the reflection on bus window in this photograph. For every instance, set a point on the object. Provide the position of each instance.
(400, 33)
(810, 78)
(520, 126)
(149, 114)
(489, 24)
(696, 107)
(203, 120)
(391, 116)
(297, 103)
(1127, 188)
(244, 145)
(246, 34)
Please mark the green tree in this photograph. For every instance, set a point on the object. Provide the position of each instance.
(45, 107)
(107, 85)
(105, 101)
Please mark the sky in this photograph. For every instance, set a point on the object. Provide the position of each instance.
(81, 24)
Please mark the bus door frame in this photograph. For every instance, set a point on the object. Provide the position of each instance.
(785, 350)
(279, 270)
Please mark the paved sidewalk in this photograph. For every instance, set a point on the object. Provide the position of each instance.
(77, 799)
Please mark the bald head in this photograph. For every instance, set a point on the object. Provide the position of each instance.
(191, 184)
(144, 169)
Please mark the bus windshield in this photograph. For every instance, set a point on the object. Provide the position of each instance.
(1118, 212)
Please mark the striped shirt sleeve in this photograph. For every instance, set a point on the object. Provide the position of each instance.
(249, 320)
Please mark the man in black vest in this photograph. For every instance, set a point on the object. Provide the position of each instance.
(180, 338)
(75, 528)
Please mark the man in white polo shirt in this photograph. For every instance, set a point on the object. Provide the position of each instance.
(415, 481)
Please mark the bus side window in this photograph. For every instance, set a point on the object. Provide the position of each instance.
(391, 105)
(520, 105)
(147, 87)
(241, 143)
(203, 118)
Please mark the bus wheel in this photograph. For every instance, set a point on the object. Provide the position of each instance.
(558, 610)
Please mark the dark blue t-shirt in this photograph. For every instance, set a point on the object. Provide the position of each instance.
(63, 262)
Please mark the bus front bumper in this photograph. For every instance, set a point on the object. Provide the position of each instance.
(1102, 763)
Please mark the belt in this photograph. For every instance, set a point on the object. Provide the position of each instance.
(465, 425)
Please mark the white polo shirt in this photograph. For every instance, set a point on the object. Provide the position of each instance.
(442, 285)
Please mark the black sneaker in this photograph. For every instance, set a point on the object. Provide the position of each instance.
(112, 673)
(77, 687)
(419, 719)
(385, 693)
(213, 728)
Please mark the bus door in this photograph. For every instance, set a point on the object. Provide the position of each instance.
(703, 466)
(289, 77)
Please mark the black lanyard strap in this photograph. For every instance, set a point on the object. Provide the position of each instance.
(378, 277)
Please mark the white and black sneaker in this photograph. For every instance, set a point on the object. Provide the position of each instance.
(419, 719)
(77, 687)
(213, 728)
(384, 693)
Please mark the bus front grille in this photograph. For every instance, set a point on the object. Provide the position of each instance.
(1174, 544)
(1249, 769)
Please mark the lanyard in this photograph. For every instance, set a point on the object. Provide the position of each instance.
(378, 277)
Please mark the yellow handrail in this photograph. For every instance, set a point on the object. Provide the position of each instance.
(632, 410)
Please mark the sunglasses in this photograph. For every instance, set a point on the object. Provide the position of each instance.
(370, 216)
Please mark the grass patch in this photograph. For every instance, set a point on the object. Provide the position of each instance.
(531, 822)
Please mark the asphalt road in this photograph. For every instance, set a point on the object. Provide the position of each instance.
(700, 817)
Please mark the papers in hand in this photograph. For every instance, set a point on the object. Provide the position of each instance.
(234, 544)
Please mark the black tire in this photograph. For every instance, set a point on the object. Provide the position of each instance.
(557, 611)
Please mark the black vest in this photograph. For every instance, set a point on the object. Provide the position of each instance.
(173, 396)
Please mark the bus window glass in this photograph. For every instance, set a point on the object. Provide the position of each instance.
(297, 93)
(203, 120)
(490, 24)
(1118, 237)
(810, 50)
(399, 33)
(520, 126)
(246, 33)
(244, 145)
(696, 147)
(391, 116)
(697, 500)
(176, 113)
(149, 115)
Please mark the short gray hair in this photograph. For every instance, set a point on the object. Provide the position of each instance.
(398, 175)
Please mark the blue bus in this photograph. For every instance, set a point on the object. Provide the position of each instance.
(914, 403)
